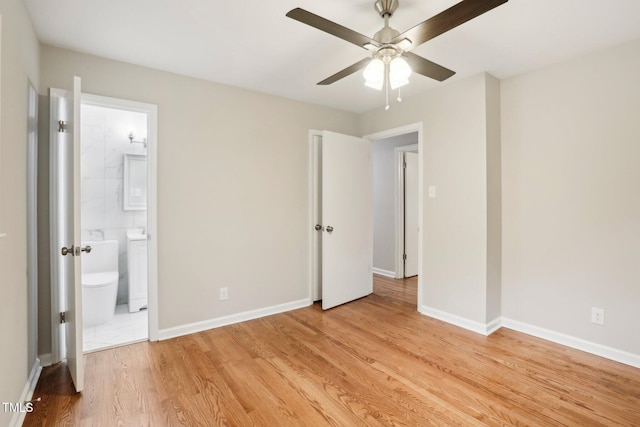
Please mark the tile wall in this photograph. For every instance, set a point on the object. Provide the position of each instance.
(105, 140)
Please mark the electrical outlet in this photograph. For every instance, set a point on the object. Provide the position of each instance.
(224, 294)
(597, 315)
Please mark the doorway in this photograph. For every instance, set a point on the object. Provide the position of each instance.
(67, 323)
(398, 202)
(115, 143)
(395, 189)
(317, 220)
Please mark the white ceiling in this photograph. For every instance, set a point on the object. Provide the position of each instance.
(251, 44)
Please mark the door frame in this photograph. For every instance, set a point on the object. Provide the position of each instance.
(397, 131)
(152, 208)
(399, 172)
(315, 212)
(57, 304)
(32, 221)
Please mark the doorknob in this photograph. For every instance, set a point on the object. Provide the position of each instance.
(318, 227)
(329, 229)
(68, 251)
(79, 250)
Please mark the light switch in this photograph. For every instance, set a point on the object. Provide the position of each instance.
(432, 191)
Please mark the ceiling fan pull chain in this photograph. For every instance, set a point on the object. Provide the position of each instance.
(386, 85)
(399, 98)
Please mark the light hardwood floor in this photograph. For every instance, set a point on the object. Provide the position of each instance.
(375, 361)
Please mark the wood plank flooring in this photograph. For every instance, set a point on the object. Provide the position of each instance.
(375, 361)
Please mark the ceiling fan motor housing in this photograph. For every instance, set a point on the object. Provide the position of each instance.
(385, 35)
(386, 7)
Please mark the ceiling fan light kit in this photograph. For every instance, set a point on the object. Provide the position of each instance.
(391, 62)
(386, 68)
(399, 72)
(374, 74)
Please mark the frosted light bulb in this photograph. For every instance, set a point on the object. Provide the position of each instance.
(374, 74)
(399, 72)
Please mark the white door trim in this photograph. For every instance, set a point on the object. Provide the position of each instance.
(399, 205)
(32, 223)
(152, 194)
(414, 127)
(314, 237)
(54, 210)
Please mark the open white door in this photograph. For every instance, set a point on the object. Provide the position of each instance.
(65, 229)
(411, 197)
(347, 216)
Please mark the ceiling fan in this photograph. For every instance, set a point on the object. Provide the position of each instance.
(391, 61)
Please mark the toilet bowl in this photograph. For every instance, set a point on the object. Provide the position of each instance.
(100, 277)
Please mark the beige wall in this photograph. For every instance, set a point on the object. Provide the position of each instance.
(233, 184)
(19, 62)
(454, 223)
(571, 197)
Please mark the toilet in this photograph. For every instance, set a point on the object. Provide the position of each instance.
(99, 282)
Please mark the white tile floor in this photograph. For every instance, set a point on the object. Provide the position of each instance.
(124, 328)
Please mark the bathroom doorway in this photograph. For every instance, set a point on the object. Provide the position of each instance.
(118, 219)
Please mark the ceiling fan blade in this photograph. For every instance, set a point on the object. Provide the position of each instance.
(331, 27)
(427, 68)
(346, 72)
(447, 20)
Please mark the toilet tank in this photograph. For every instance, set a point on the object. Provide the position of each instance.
(103, 257)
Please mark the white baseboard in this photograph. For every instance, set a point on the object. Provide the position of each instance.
(611, 353)
(27, 393)
(385, 273)
(45, 359)
(573, 342)
(493, 326)
(471, 325)
(191, 328)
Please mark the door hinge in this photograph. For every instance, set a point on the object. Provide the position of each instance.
(63, 317)
(404, 165)
(62, 126)
(404, 257)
